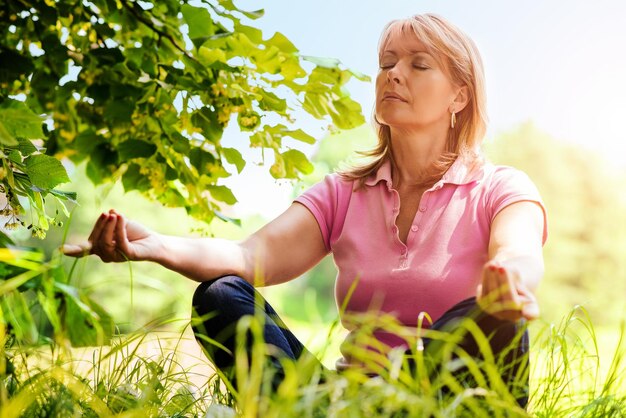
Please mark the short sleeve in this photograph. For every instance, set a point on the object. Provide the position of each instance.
(328, 201)
(509, 186)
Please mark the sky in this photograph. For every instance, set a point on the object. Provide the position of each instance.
(561, 64)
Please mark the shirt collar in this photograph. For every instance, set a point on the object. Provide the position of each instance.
(460, 172)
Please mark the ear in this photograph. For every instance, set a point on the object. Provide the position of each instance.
(461, 99)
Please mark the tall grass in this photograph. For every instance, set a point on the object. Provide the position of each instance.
(571, 373)
(569, 378)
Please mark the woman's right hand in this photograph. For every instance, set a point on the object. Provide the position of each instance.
(116, 239)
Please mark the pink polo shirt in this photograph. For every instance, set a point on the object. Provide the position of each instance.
(446, 248)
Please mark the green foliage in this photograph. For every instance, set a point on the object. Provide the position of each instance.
(143, 91)
(39, 306)
(26, 171)
(569, 377)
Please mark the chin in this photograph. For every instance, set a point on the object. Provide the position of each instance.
(394, 120)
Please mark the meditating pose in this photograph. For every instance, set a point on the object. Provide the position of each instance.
(426, 232)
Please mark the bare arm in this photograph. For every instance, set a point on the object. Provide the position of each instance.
(280, 251)
(515, 264)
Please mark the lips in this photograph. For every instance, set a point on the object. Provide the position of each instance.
(393, 96)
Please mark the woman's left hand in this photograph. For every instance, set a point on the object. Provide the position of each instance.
(503, 294)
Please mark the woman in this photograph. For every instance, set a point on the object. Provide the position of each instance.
(427, 226)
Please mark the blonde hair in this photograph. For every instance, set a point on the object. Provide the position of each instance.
(463, 64)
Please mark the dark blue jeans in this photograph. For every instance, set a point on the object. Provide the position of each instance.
(219, 304)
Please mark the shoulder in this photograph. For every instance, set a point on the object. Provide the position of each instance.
(328, 193)
(331, 185)
(502, 176)
(506, 185)
(328, 201)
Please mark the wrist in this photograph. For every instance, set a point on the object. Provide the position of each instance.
(158, 254)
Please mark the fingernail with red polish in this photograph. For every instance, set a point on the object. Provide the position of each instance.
(501, 270)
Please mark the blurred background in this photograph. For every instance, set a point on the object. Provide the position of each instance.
(556, 88)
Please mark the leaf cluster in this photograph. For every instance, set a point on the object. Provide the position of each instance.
(39, 305)
(26, 171)
(143, 91)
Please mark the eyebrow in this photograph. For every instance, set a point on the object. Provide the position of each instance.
(412, 52)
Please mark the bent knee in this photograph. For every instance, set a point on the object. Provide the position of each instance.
(211, 295)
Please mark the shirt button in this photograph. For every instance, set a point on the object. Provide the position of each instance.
(395, 208)
(414, 228)
(423, 209)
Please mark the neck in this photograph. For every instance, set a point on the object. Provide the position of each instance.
(414, 153)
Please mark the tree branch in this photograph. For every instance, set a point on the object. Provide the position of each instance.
(142, 19)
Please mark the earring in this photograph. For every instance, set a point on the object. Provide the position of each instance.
(452, 119)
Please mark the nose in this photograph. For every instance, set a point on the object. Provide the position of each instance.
(393, 76)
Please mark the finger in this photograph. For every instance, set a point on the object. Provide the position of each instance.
(108, 233)
(510, 296)
(530, 311)
(530, 306)
(97, 228)
(121, 238)
(106, 244)
(75, 250)
(490, 282)
(479, 291)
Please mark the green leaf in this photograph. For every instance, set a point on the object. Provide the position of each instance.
(199, 21)
(360, 76)
(6, 138)
(296, 160)
(292, 70)
(208, 56)
(206, 120)
(253, 34)
(227, 218)
(230, 6)
(322, 62)
(19, 121)
(300, 135)
(271, 102)
(27, 148)
(135, 148)
(13, 65)
(202, 160)
(134, 180)
(282, 42)
(86, 322)
(268, 60)
(45, 172)
(253, 14)
(325, 75)
(233, 156)
(15, 156)
(100, 162)
(348, 113)
(71, 196)
(5, 240)
(15, 310)
(223, 194)
(87, 141)
(316, 104)
(119, 111)
(278, 170)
